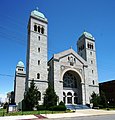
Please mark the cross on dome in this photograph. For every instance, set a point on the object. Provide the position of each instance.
(37, 8)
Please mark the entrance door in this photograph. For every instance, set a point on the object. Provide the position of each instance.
(72, 83)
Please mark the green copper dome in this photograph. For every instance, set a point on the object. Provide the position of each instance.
(36, 13)
(20, 64)
(88, 35)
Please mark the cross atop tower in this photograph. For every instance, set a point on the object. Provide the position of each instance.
(37, 8)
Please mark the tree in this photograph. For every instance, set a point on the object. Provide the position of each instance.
(62, 103)
(103, 100)
(12, 102)
(5, 105)
(50, 97)
(31, 97)
(95, 99)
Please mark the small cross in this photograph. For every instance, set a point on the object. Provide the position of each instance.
(37, 8)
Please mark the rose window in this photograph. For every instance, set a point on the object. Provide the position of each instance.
(69, 80)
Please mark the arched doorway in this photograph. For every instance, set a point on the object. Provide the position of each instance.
(72, 89)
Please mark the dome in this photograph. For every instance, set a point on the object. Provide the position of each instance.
(36, 13)
(20, 64)
(88, 35)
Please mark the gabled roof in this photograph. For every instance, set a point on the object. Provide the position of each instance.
(60, 55)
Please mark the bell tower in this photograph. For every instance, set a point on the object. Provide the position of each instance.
(86, 49)
(36, 61)
(19, 83)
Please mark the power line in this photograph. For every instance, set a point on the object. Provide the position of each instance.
(23, 41)
(6, 75)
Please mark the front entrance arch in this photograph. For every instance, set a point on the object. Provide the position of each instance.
(72, 89)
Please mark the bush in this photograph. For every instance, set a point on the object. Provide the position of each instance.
(111, 106)
(5, 105)
(58, 108)
(50, 97)
(62, 103)
(88, 105)
(95, 99)
(100, 106)
(41, 107)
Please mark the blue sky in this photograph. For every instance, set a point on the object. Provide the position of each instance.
(67, 19)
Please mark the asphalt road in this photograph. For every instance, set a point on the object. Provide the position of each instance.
(100, 117)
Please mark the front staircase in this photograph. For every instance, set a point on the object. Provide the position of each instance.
(79, 106)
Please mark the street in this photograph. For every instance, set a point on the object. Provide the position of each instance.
(100, 117)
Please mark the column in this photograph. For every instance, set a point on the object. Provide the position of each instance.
(83, 94)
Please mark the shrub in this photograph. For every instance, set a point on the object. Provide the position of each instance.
(31, 97)
(50, 97)
(95, 99)
(100, 106)
(41, 107)
(5, 105)
(88, 105)
(58, 108)
(62, 103)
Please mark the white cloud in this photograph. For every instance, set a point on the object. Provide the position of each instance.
(3, 97)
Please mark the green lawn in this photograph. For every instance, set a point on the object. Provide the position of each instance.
(108, 109)
(4, 112)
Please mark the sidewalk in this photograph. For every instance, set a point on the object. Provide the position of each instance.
(23, 117)
(87, 112)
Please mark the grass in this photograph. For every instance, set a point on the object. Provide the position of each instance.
(108, 108)
(4, 112)
(1, 109)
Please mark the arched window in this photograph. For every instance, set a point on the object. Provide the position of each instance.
(69, 93)
(35, 27)
(39, 94)
(92, 46)
(20, 69)
(38, 62)
(88, 45)
(64, 94)
(75, 94)
(38, 49)
(69, 98)
(42, 30)
(74, 60)
(93, 82)
(91, 61)
(39, 29)
(92, 71)
(38, 37)
(90, 53)
(38, 75)
(69, 80)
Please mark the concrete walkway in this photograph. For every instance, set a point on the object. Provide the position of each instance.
(87, 112)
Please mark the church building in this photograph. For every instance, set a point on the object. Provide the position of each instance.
(72, 74)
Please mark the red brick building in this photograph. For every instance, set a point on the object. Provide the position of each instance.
(109, 89)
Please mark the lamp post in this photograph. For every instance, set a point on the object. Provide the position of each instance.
(108, 105)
